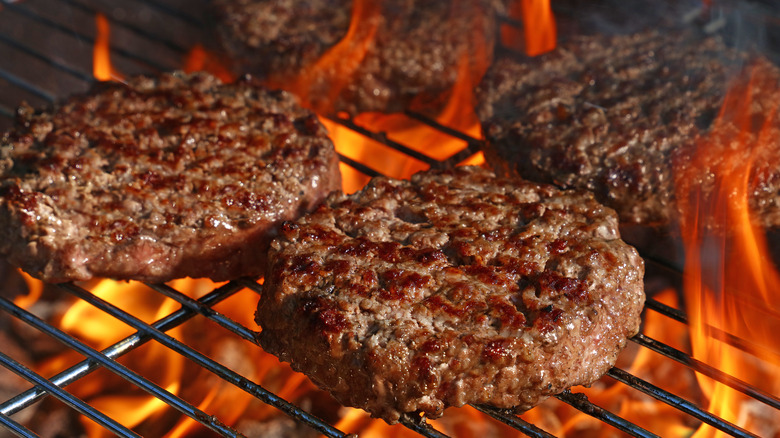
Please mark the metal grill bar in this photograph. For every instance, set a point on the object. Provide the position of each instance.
(205, 310)
(514, 421)
(677, 402)
(217, 368)
(359, 166)
(381, 137)
(16, 428)
(21, 83)
(132, 28)
(46, 59)
(6, 112)
(117, 350)
(191, 307)
(67, 398)
(581, 402)
(117, 368)
(671, 312)
(178, 13)
(421, 426)
(707, 370)
(11, 6)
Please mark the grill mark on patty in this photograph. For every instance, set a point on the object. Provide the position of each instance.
(158, 178)
(442, 297)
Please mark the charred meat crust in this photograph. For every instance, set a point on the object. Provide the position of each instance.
(159, 178)
(455, 287)
(608, 114)
(417, 51)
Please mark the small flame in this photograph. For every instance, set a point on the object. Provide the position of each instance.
(731, 284)
(101, 52)
(200, 59)
(35, 290)
(539, 29)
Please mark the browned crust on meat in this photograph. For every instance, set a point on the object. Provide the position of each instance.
(606, 114)
(745, 139)
(455, 287)
(162, 177)
(418, 49)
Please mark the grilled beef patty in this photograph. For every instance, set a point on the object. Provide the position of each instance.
(606, 114)
(455, 287)
(402, 51)
(162, 177)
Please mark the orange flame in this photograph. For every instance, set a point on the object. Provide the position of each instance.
(200, 59)
(731, 284)
(35, 290)
(539, 30)
(101, 53)
(334, 69)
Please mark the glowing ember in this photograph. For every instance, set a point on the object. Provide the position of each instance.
(539, 30)
(101, 53)
(731, 284)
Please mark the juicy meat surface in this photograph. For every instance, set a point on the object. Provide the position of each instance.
(401, 52)
(455, 287)
(607, 114)
(162, 177)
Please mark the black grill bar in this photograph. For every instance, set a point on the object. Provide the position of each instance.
(381, 137)
(46, 59)
(217, 368)
(197, 307)
(67, 398)
(359, 166)
(12, 6)
(21, 83)
(120, 348)
(671, 312)
(132, 28)
(16, 428)
(178, 13)
(419, 425)
(514, 421)
(581, 402)
(115, 367)
(474, 145)
(6, 112)
(203, 306)
(707, 370)
(677, 402)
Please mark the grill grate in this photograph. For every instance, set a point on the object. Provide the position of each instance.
(26, 34)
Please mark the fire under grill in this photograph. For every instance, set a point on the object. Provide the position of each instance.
(47, 51)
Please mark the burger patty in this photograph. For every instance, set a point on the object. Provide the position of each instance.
(162, 177)
(455, 287)
(606, 114)
(402, 51)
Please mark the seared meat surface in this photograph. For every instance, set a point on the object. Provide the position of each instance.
(455, 287)
(161, 177)
(400, 52)
(608, 114)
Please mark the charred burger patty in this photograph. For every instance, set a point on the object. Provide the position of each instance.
(455, 287)
(161, 177)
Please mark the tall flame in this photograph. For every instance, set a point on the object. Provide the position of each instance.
(333, 70)
(731, 285)
(101, 52)
(539, 29)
